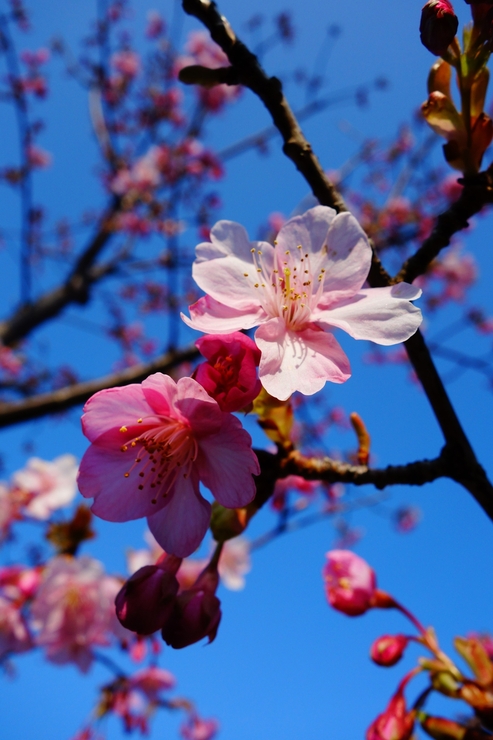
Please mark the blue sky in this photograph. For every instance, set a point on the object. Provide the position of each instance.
(283, 665)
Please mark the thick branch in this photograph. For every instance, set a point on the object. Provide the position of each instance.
(76, 288)
(74, 395)
(477, 192)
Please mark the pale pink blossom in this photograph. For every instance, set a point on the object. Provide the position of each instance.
(151, 681)
(73, 610)
(152, 444)
(18, 582)
(350, 583)
(126, 62)
(143, 175)
(298, 291)
(14, 635)
(50, 485)
(196, 728)
(235, 563)
(9, 511)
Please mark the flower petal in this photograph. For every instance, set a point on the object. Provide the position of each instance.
(196, 406)
(299, 361)
(116, 498)
(180, 526)
(348, 258)
(212, 317)
(159, 391)
(224, 267)
(114, 408)
(226, 463)
(309, 229)
(382, 315)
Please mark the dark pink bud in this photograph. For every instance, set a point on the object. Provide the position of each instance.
(147, 599)
(230, 373)
(438, 26)
(350, 583)
(196, 613)
(396, 723)
(388, 649)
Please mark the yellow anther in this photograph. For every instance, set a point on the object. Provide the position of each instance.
(124, 448)
(126, 475)
(139, 421)
(287, 251)
(299, 246)
(245, 274)
(252, 250)
(256, 285)
(123, 429)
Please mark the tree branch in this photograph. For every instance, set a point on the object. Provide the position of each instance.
(76, 288)
(75, 395)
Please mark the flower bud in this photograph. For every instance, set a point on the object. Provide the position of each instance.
(230, 373)
(396, 723)
(350, 583)
(388, 649)
(196, 613)
(443, 729)
(438, 26)
(147, 599)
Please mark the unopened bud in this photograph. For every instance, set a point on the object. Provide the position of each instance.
(438, 26)
(388, 649)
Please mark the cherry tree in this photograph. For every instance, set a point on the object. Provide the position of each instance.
(210, 399)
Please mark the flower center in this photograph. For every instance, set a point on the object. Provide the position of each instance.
(161, 454)
(288, 290)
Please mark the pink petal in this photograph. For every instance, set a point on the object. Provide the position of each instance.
(309, 229)
(348, 258)
(160, 392)
(298, 361)
(180, 526)
(212, 317)
(226, 463)
(114, 408)
(194, 403)
(116, 498)
(224, 268)
(382, 315)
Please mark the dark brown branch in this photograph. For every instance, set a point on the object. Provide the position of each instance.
(477, 192)
(464, 465)
(75, 395)
(76, 288)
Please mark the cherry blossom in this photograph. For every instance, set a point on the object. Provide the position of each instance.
(298, 291)
(388, 649)
(234, 563)
(50, 485)
(152, 444)
(196, 728)
(350, 582)
(73, 610)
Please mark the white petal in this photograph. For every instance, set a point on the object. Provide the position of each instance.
(212, 317)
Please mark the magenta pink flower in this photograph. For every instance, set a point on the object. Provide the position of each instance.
(350, 583)
(230, 375)
(152, 444)
(438, 26)
(151, 681)
(299, 291)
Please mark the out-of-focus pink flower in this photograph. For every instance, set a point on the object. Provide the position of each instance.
(155, 25)
(50, 485)
(230, 373)
(196, 728)
(350, 583)
(18, 582)
(127, 63)
(458, 271)
(14, 635)
(407, 518)
(151, 681)
(299, 291)
(151, 445)
(235, 563)
(197, 612)
(10, 507)
(147, 598)
(144, 174)
(291, 483)
(396, 723)
(35, 58)
(202, 50)
(388, 649)
(438, 26)
(38, 157)
(73, 610)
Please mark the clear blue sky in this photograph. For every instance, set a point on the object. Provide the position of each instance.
(284, 665)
